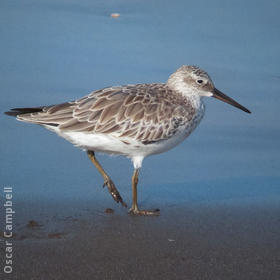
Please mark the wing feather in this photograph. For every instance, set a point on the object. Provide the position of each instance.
(145, 112)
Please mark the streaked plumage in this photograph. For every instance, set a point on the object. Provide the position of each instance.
(132, 120)
(145, 112)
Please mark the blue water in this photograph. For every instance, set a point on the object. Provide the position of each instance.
(56, 51)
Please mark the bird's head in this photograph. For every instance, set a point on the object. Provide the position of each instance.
(193, 81)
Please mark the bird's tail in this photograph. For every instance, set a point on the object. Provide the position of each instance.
(52, 115)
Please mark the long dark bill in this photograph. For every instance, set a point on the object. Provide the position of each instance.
(221, 96)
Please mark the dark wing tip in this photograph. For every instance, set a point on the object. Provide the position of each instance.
(18, 111)
(11, 113)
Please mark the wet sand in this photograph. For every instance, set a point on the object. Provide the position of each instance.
(203, 236)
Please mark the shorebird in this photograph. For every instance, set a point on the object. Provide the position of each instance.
(132, 120)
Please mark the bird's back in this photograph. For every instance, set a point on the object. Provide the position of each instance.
(144, 112)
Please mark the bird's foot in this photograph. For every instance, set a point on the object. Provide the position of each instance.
(137, 212)
(113, 191)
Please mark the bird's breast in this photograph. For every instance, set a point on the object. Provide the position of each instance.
(195, 120)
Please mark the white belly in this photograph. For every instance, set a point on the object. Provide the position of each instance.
(126, 146)
(129, 147)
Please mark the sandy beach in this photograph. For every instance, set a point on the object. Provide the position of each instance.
(204, 236)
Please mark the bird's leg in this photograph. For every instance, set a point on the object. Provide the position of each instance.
(107, 180)
(134, 210)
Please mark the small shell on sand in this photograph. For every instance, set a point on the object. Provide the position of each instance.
(33, 224)
(115, 15)
(109, 211)
(56, 235)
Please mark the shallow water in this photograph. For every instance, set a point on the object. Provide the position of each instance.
(60, 50)
(56, 51)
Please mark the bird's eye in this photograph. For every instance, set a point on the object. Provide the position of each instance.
(199, 81)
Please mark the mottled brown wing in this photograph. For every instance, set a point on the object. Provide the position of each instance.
(146, 112)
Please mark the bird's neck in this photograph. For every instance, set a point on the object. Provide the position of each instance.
(186, 92)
